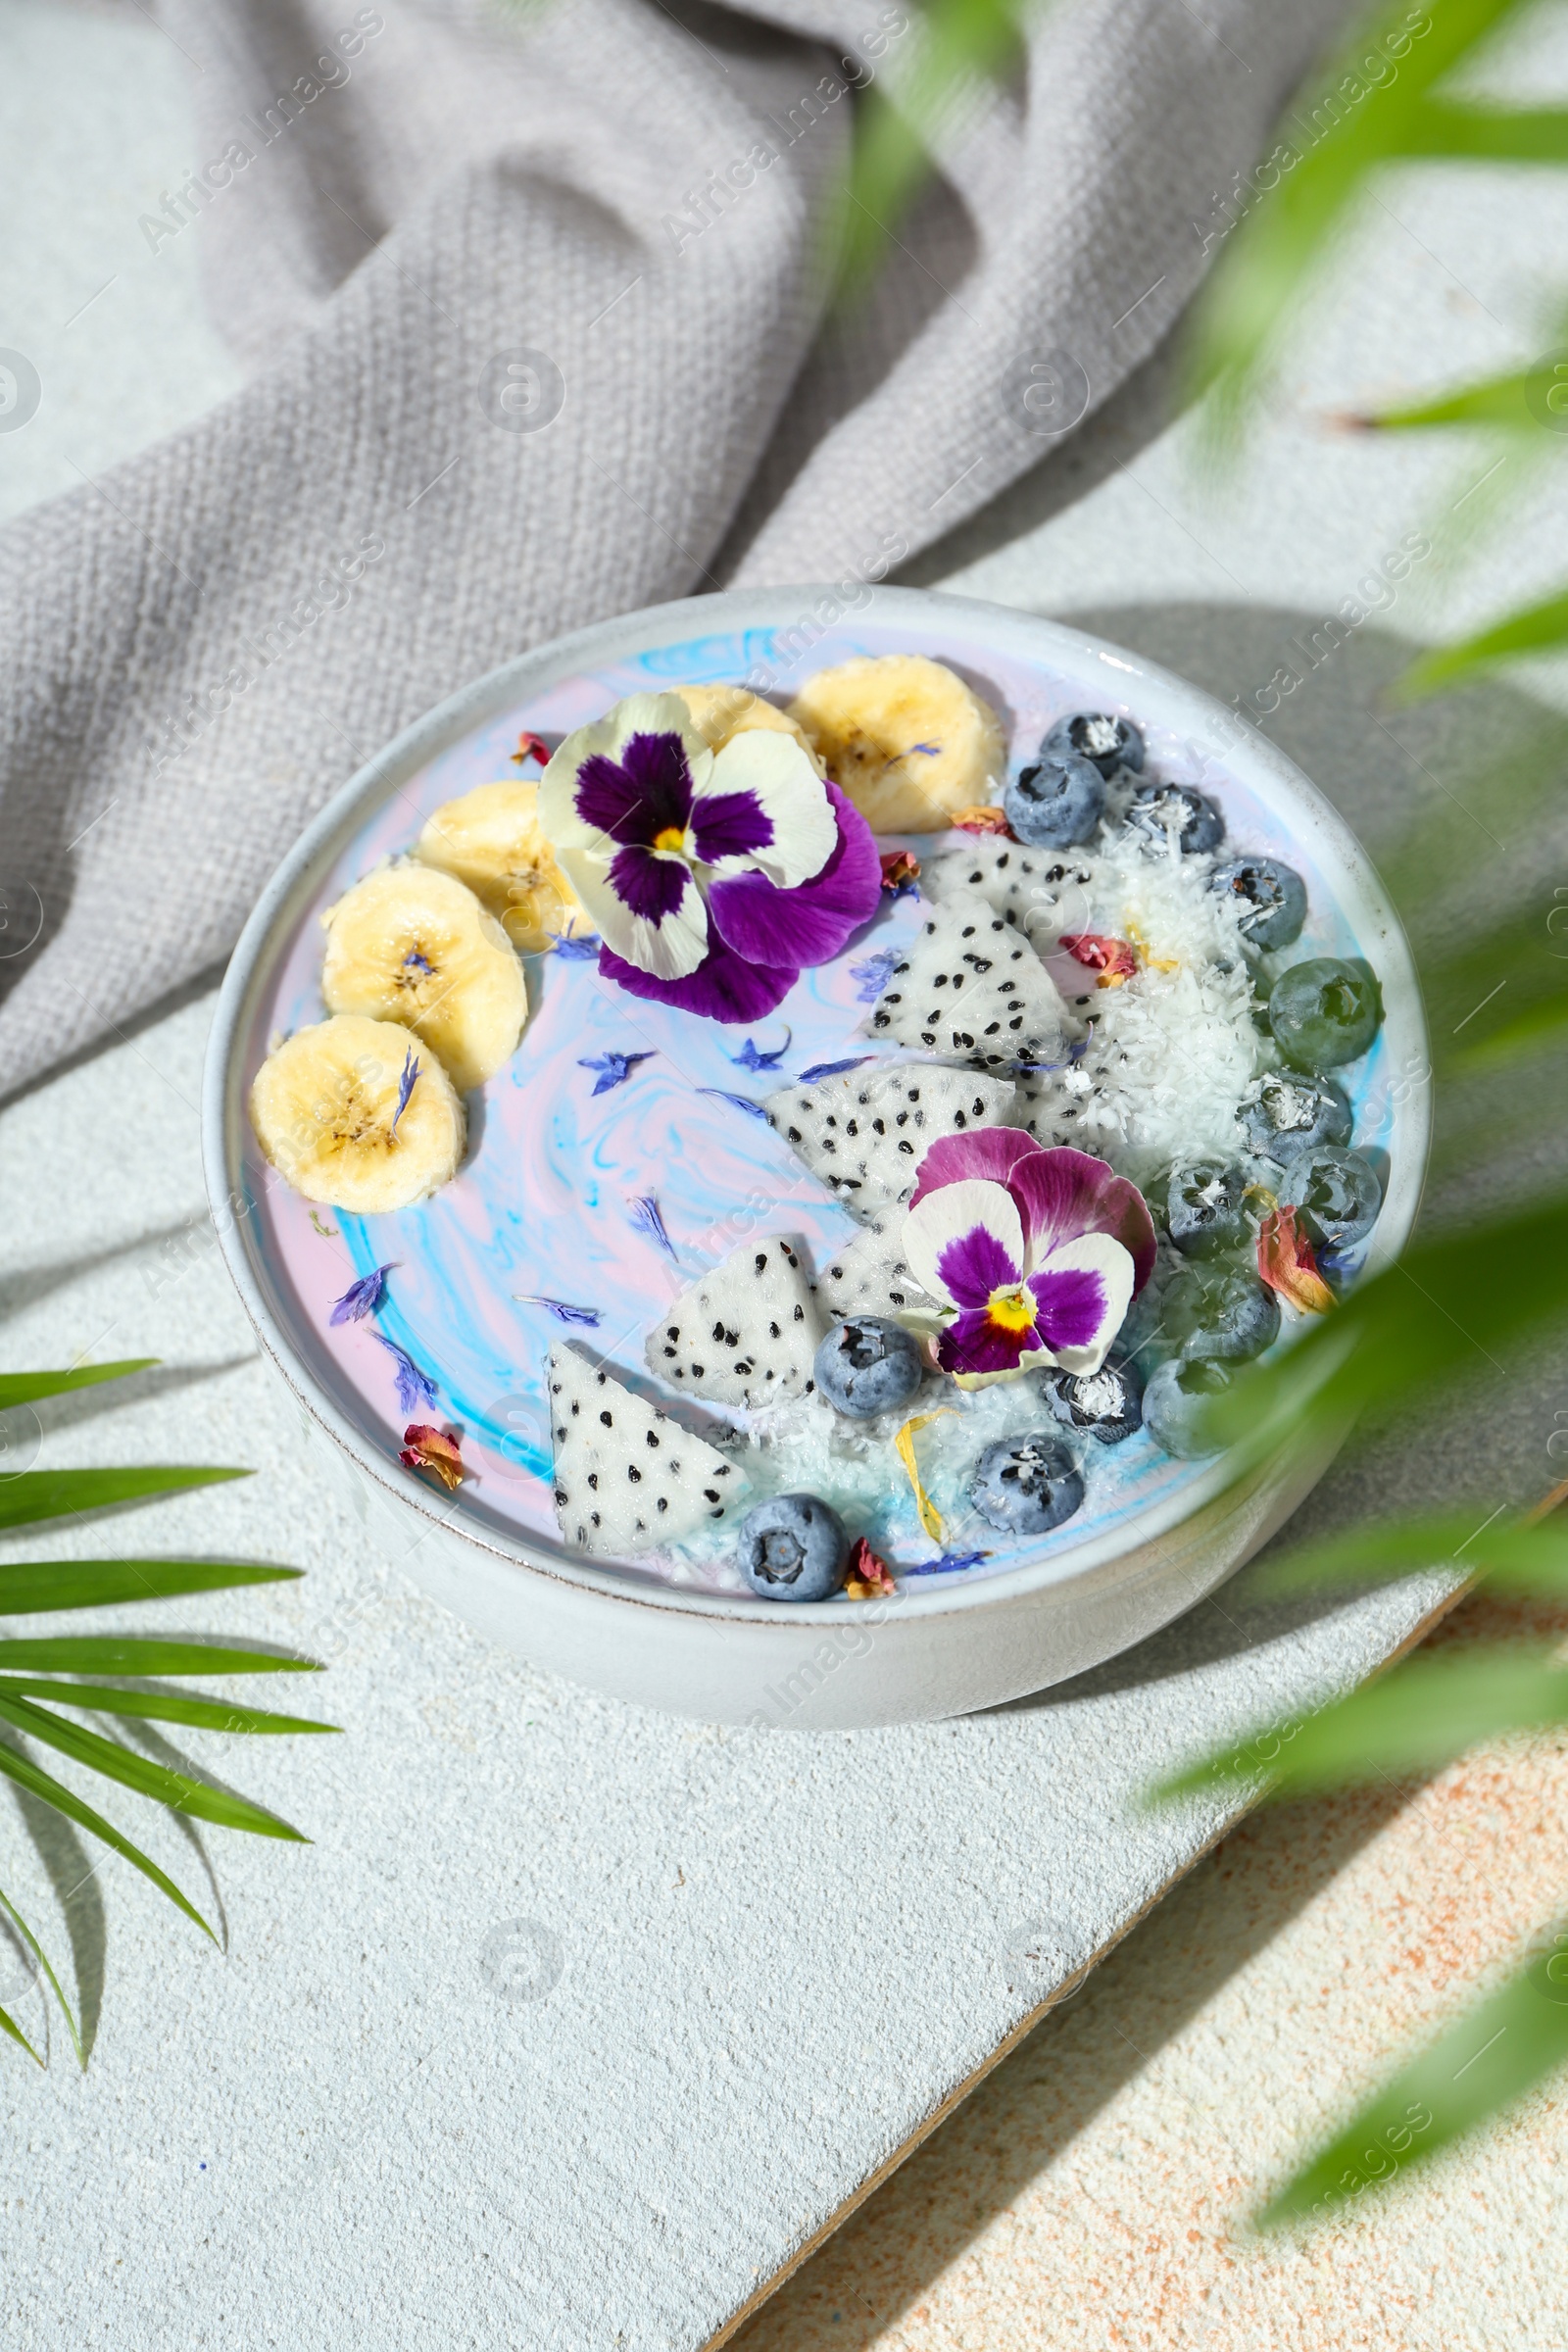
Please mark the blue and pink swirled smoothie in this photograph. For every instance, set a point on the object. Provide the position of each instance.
(789, 1150)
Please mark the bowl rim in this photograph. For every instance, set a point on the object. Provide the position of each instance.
(1214, 727)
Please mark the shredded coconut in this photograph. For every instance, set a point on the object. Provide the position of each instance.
(1161, 1061)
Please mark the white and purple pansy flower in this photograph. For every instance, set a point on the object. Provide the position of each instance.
(1035, 1255)
(714, 877)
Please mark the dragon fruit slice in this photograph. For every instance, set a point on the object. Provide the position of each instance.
(972, 989)
(1042, 892)
(743, 1333)
(865, 1134)
(871, 1277)
(626, 1477)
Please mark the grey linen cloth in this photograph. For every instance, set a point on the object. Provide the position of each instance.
(535, 308)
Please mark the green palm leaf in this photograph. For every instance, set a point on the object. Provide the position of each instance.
(1494, 2054)
(43, 1958)
(200, 1714)
(26, 1388)
(38, 1783)
(28, 1588)
(132, 1771)
(42, 1587)
(1494, 400)
(1510, 1554)
(1534, 630)
(34, 1494)
(9, 2025)
(1341, 134)
(103, 1653)
(960, 41)
(1420, 1715)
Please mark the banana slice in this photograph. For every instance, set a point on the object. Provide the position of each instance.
(412, 945)
(357, 1115)
(905, 738)
(492, 840)
(720, 712)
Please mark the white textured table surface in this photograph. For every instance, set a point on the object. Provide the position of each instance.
(575, 2024)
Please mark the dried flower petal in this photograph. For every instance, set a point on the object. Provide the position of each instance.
(741, 1101)
(362, 1297)
(561, 1309)
(901, 872)
(614, 1068)
(947, 1564)
(750, 1057)
(870, 1578)
(414, 1387)
(406, 1086)
(575, 947)
(873, 976)
(1115, 960)
(832, 1070)
(984, 819)
(432, 1449)
(1284, 1261)
(531, 747)
(904, 1443)
(646, 1219)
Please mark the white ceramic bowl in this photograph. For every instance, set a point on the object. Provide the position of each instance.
(958, 1642)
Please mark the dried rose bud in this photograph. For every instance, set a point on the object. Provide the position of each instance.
(1284, 1261)
(870, 1578)
(427, 1449)
(1113, 959)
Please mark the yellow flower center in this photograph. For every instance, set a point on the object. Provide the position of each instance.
(1012, 1310)
(673, 837)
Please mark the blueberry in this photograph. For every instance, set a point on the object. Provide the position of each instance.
(1105, 1405)
(867, 1366)
(1110, 743)
(1324, 1011)
(1204, 1207)
(1273, 898)
(1157, 806)
(1055, 804)
(794, 1548)
(1177, 1402)
(1220, 1312)
(1026, 1486)
(1283, 1114)
(1337, 1195)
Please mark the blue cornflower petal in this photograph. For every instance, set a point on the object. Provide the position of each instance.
(749, 1058)
(831, 1069)
(873, 976)
(741, 1101)
(647, 1219)
(406, 1086)
(614, 1068)
(561, 1309)
(364, 1296)
(948, 1565)
(414, 1387)
(577, 947)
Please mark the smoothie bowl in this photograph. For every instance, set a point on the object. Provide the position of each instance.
(752, 1132)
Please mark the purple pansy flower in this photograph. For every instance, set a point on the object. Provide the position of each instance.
(1037, 1255)
(713, 877)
